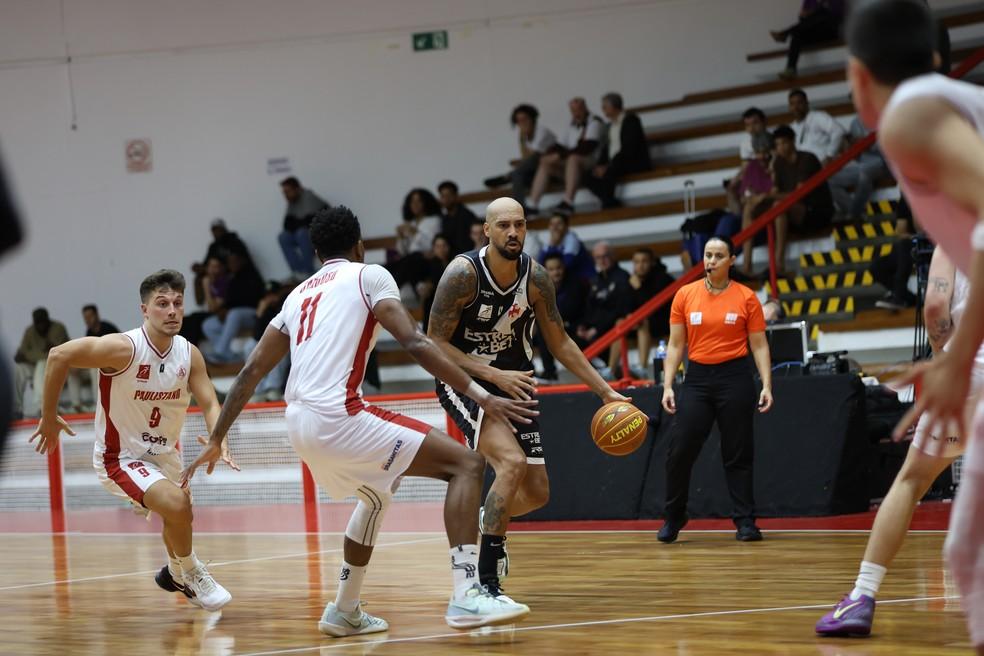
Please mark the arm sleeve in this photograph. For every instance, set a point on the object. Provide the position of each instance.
(280, 321)
(377, 284)
(677, 309)
(59, 335)
(836, 132)
(543, 140)
(756, 318)
(595, 130)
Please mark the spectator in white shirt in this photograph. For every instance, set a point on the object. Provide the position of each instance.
(816, 131)
(534, 141)
(570, 158)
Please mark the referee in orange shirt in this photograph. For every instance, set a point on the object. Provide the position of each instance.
(716, 320)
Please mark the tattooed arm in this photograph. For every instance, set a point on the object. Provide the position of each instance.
(544, 300)
(939, 296)
(456, 289)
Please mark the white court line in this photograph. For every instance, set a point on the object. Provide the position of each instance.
(210, 564)
(570, 625)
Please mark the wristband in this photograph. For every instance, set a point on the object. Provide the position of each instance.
(977, 236)
(476, 392)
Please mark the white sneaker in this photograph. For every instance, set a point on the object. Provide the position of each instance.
(338, 624)
(479, 608)
(211, 596)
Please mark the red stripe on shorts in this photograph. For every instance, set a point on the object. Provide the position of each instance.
(111, 457)
(398, 419)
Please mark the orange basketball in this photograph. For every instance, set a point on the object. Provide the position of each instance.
(619, 428)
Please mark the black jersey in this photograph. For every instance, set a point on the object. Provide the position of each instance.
(498, 325)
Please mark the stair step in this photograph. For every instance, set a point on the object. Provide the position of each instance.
(842, 259)
(864, 233)
(835, 308)
(857, 283)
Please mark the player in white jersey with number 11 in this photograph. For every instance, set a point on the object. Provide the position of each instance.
(329, 324)
(144, 379)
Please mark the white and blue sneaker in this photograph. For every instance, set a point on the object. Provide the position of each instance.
(338, 624)
(479, 608)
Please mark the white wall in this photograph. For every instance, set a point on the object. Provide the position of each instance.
(221, 85)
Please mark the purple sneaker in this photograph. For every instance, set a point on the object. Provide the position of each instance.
(851, 617)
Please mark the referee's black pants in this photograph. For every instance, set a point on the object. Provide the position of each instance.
(724, 392)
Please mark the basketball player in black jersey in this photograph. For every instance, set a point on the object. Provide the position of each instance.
(482, 317)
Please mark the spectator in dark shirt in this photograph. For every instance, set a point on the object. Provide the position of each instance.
(94, 325)
(563, 241)
(477, 235)
(609, 300)
(271, 387)
(791, 168)
(649, 277)
(236, 311)
(223, 243)
(627, 151)
(437, 262)
(570, 303)
(819, 21)
(294, 238)
(456, 218)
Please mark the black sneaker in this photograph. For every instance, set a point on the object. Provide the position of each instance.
(166, 582)
(670, 530)
(748, 533)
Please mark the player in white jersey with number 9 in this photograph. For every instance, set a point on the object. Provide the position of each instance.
(145, 376)
(329, 324)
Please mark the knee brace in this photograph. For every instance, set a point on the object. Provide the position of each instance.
(363, 526)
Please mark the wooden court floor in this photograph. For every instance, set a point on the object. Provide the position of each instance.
(590, 593)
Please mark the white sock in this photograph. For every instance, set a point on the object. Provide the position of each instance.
(174, 567)
(869, 580)
(349, 587)
(188, 562)
(464, 568)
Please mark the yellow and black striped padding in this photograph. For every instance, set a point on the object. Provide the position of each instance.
(853, 255)
(882, 207)
(871, 230)
(822, 282)
(817, 306)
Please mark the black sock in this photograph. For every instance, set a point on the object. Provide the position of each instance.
(488, 558)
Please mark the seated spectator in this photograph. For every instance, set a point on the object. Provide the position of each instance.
(861, 174)
(271, 387)
(892, 271)
(816, 131)
(564, 241)
(96, 327)
(754, 123)
(294, 240)
(477, 235)
(236, 311)
(569, 158)
(570, 303)
(791, 168)
(819, 21)
(534, 141)
(223, 242)
(754, 191)
(414, 237)
(437, 262)
(31, 359)
(627, 151)
(649, 277)
(456, 218)
(609, 301)
(214, 282)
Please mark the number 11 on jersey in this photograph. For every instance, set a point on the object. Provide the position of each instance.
(309, 307)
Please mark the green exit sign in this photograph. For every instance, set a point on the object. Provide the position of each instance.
(437, 40)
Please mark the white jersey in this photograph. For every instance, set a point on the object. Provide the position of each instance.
(332, 329)
(948, 223)
(142, 407)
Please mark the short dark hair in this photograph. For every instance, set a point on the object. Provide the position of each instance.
(797, 92)
(894, 39)
(524, 108)
(291, 182)
(724, 239)
(334, 231)
(645, 251)
(554, 255)
(431, 206)
(752, 112)
(784, 132)
(39, 314)
(90, 306)
(163, 279)
(564, 216)
(448, 184)
(613, 99)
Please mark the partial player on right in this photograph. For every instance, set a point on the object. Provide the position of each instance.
(931, 131)
(928, 457)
